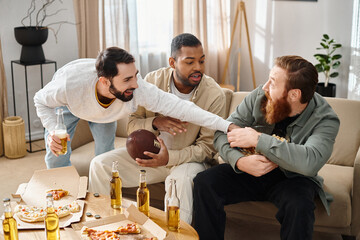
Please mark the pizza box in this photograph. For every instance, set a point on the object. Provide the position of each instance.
(34, 193)
(131, 214)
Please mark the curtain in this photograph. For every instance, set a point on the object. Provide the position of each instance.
(131, 25)
(3, 100)
(88, 30)
(354, 74)
(208, 20)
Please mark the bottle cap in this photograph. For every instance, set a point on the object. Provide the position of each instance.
(143, 171)
(48, 195)
(6, 200)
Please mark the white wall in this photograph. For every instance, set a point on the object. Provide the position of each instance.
(66, 50)
(292, 28)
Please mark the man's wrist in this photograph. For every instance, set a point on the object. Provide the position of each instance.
(257, 139)
(232, 126)
(153, 126)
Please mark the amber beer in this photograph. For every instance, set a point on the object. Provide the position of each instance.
(143, 195)
(60, 131)
(62, 134)
(173, 215)
(9, 223)
(51, 220)
(173, 208)
(115, 187)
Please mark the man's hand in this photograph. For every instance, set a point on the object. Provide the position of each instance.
(255, 165)
(157, 160)
(243, 137)
(170, 125)
(232, 126)
(54, 143)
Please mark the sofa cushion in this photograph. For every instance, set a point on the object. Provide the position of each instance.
(83, 155)
(337, 181)
(347, 141)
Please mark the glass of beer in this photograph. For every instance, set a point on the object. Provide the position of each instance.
(60, 131)
(62, 134)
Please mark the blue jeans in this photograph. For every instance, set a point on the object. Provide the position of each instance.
(103, 134)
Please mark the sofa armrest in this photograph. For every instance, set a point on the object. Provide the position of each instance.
(82, 135)
(355, 222)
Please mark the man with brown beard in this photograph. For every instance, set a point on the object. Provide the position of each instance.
(283, 172)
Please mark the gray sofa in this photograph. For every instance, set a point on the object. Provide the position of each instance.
(341, 173)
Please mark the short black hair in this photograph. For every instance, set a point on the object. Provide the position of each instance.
(107, 60)
(184, 39)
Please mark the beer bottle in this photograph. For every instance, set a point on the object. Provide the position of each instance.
(173, 208)
(143, 195)
(60, 131)
(115, 186)
(51, 220)
(9, 223)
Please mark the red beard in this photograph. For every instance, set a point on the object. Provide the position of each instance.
(275, 111)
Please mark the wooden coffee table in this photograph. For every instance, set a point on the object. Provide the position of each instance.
(101, 206)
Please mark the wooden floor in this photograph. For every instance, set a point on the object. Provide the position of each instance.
(16, 171)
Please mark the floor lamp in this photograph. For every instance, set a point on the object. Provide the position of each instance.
(240, 9)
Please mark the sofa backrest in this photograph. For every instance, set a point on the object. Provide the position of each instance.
(347, 142)
(121, 130)
(237, 98)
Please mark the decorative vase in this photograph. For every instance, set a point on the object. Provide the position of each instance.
(31, 39)
(329, 91)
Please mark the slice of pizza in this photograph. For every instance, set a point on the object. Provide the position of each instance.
(32, 214)
(58, 193)
(72, 207)
(92, 234)
(130, 228)
(65, 210)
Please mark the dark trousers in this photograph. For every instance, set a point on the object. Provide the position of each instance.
(220, 186)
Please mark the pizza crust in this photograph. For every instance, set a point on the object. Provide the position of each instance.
(33, 214)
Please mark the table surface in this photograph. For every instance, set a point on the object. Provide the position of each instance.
(101, 205)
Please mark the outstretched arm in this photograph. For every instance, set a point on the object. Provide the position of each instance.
(156, 100)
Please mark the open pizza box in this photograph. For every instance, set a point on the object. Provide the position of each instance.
(34, 193)
(148, 227)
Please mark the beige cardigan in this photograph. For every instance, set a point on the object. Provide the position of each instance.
(196, 145)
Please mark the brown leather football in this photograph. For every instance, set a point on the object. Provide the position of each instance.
(142, 140)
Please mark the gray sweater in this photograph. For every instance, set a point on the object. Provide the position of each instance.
(311, 139)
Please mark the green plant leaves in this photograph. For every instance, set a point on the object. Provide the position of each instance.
(319, 67)
(328, 60)
(337, 56)
(334, 74)
(336, 64)
(324, 45)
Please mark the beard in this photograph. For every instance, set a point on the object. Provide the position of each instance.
(120, 95)
(185, 80)
(275, 111)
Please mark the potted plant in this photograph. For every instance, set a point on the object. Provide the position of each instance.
(33, 35)
(327, 63)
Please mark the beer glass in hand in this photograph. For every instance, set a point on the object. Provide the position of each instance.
(60, 131)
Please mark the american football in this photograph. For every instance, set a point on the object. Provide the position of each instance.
(142, 140)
